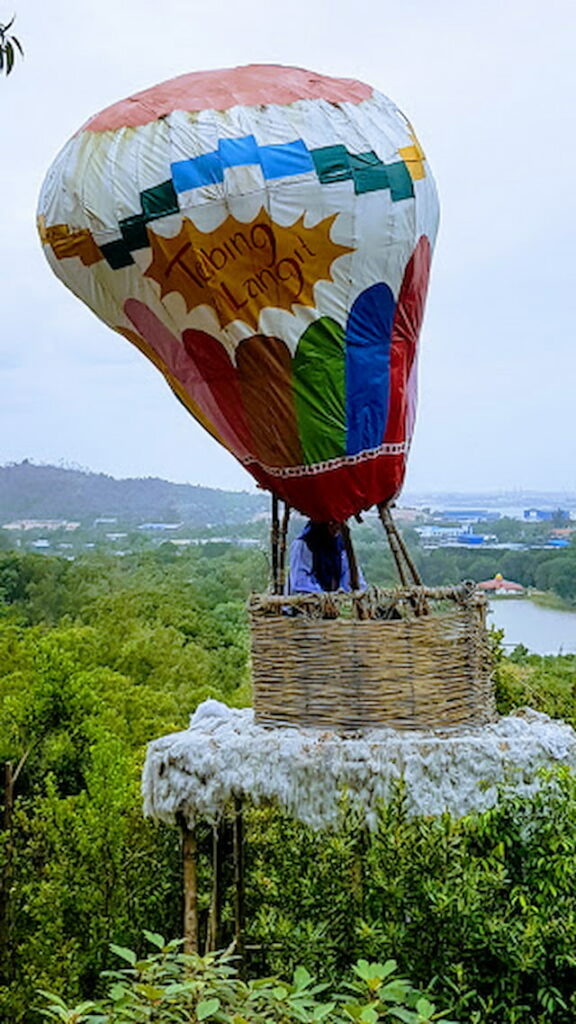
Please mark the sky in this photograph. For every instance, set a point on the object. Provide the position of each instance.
(491, 91)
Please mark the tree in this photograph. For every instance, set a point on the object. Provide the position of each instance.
(8, 46)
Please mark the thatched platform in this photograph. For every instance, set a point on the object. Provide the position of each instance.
(225, 756)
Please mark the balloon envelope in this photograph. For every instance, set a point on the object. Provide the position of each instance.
(263, 235)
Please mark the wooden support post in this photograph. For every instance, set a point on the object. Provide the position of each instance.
(9, 783)
(358, 870)
(283, 542)
(190, 887)
(354, 575)
(274, 539)
(407, 557)
(392, 535)
(6, 944)
(214, 916)
(404, 563)
(238, 847)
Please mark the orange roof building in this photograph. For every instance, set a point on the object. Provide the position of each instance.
(501, 586)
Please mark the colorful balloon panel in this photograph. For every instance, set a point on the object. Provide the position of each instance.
(264, 236)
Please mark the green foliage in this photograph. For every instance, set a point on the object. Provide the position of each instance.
(101, 655)
(486, 906)
(543, 682)
(169, 987)
(9, 45)
(96, 659)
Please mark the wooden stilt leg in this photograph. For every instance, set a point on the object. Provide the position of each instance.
(238, 877)
(190, 888)
(358, 873)
(409, 575)
(213, 931)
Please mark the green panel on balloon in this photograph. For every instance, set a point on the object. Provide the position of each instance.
(319, 381)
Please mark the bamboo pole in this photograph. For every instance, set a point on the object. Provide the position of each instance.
(357, 874)
(406, 555)
(214, 916)
(6, 944)
(354, 576)
(401, 555)
(9, 783)
(238, 853)
(190, 888)
(283, 541)
(359, 610)
(274, 538)
(388, 524)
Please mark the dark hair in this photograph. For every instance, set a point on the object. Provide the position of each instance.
(327, 552)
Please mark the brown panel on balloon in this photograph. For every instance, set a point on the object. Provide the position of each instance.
(265, 375)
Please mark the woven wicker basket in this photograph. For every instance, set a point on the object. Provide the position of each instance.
(407, 659)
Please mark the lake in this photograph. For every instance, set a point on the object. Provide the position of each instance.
(541, 630)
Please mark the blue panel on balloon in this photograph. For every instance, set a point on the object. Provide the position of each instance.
(368, 334)
(201, 170)
(238, 152)
(285, 159)
(280, 160)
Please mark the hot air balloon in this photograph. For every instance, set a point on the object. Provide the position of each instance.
(263, 235)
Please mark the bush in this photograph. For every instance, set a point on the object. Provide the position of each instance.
(169, 986)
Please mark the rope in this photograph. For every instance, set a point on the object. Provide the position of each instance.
(373, 603)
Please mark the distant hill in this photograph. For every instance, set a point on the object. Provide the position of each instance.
(29, 491)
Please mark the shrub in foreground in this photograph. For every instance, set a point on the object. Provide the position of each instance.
(169, 986)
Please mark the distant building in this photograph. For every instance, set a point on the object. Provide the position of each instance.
(545, 515)
(438, 534)
(467, 515)
(501, 587)
(159, 527)
(40, 524)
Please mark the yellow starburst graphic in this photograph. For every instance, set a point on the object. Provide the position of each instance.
(240, 269)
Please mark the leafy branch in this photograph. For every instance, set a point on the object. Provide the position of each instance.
(8, 46)
(171, 987)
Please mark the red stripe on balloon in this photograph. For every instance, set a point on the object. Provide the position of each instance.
(203, 368)
(405, 331)
(339, 493)
(230, 87)
(220, 379)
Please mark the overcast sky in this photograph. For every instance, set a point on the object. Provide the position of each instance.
(490, 89)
